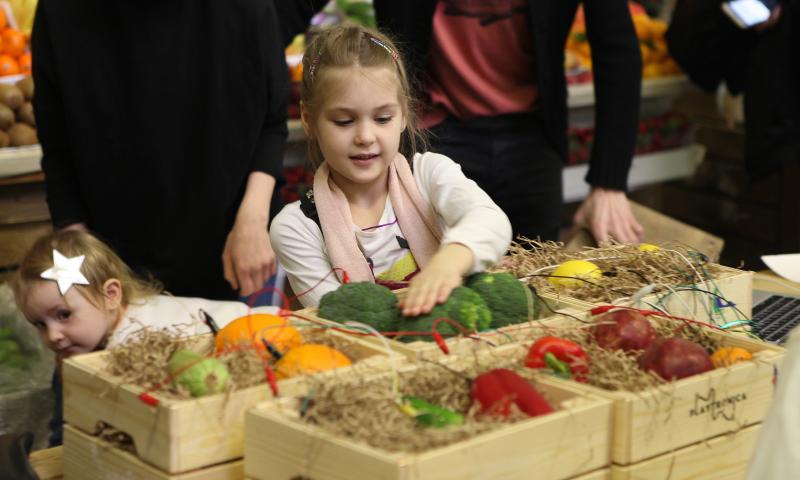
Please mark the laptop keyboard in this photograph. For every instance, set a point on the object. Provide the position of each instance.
(775, 317)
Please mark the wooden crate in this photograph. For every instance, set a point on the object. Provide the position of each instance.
(422, 350)
(91, 458)
(736, 286)
(571, 442)
(724, 457)
(180, 435)
(660, 420)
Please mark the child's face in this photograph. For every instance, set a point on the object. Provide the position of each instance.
(68, 324)
(358, 127)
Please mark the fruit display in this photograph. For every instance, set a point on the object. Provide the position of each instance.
(255, 349)
(650, 32)
(655, 133)
(17, 122)
(15, 55)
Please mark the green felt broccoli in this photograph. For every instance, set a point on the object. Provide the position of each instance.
(463, 305)
(363, 302)
(505, 296)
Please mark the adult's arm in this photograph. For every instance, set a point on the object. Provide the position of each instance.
(247, 258)
(617, 69)
(58, 161)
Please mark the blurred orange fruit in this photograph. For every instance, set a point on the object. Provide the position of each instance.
(251, 329)
(3, 19)
(14, 42)
(25, 63)
(309, 359)
(8, 65)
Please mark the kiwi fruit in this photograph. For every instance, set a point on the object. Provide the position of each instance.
(26, 85)
(22, 134)
(11, 95)
(6, 117)
(5, 140)
(25, 114)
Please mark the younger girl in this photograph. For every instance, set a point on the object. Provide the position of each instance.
(81, 297)
(368, 217)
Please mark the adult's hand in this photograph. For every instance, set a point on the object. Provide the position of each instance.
(78, 227)
(247, 259)
(607, 214)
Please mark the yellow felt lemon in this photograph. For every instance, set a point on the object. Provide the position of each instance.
(648, 247)
(569, 273)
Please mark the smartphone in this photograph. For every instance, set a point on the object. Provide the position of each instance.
(748, 13)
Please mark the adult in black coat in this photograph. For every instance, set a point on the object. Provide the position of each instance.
(163, 126)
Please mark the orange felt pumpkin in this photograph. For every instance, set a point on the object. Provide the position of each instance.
(252, 328)
(308, 359)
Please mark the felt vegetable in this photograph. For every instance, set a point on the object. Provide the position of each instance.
(727, 356)
(363, 302)
(200, 376)
(253, 329)
(570, 353)
(623, 329)
(430, 415)
(508, 299)
(570, 273)
(463, 305)
(309, 359)
(675, 358)
(496, 390)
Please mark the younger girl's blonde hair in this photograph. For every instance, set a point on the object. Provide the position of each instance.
(355, 46)
(100, 264)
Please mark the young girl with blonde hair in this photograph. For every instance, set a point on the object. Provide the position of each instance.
(81, 297)
(379, 211)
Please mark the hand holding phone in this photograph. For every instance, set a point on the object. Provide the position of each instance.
(749, 13)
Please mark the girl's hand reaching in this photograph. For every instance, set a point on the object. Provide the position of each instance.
(433, 284)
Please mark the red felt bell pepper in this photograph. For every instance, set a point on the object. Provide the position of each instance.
(496, 390)
(562, 349)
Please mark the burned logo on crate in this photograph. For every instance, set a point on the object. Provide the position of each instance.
(709, 404)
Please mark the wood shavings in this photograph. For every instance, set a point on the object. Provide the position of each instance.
(142, 360)
(366, 411)
(626, 269)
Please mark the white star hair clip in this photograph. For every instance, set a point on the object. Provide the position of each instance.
(65, 271)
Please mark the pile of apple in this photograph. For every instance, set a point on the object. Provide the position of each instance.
(670, 358)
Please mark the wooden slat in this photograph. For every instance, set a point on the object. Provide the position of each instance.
(722, 458)
(90, 458)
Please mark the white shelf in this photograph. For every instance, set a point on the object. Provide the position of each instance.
(20, 160)
(582, 95)
(645, 170)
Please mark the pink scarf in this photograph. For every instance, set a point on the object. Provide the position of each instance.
(415, 216)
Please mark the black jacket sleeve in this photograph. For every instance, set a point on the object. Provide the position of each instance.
(269, 150)
(617, 68)
(294, 16)
(61, 182)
